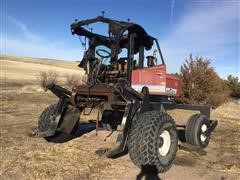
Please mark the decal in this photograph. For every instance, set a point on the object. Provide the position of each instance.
(171, 91)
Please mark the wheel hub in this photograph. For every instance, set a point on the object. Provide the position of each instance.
(160, 141)
(203, 136)
(165, 143)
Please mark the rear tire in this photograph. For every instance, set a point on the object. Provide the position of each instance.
(196, 127)
(44, 123)
(153, 141)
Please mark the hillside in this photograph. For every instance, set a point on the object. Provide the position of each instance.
(25, 70)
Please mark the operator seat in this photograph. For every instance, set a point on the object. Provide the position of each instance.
(151, 61)
(122, 62)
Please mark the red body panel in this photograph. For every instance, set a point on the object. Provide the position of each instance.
(173, 85)
(157, 80)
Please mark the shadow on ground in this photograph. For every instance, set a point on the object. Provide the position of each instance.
(148, 172)
(81, 129)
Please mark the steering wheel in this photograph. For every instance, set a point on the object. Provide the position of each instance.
(105, 55)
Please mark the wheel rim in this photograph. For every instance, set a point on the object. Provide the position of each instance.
(203, 136)
(166, 143)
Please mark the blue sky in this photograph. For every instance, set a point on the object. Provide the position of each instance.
(41, 28)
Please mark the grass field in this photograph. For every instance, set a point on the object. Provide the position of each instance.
(24, 157)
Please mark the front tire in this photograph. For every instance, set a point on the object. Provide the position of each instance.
(155, 141)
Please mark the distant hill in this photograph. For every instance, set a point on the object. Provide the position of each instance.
(53, 62)
(17, 69)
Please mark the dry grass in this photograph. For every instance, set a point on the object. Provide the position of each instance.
(228, 112)
(73, 79)
(47, 78)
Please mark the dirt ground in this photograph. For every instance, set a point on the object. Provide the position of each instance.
(24, 157)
